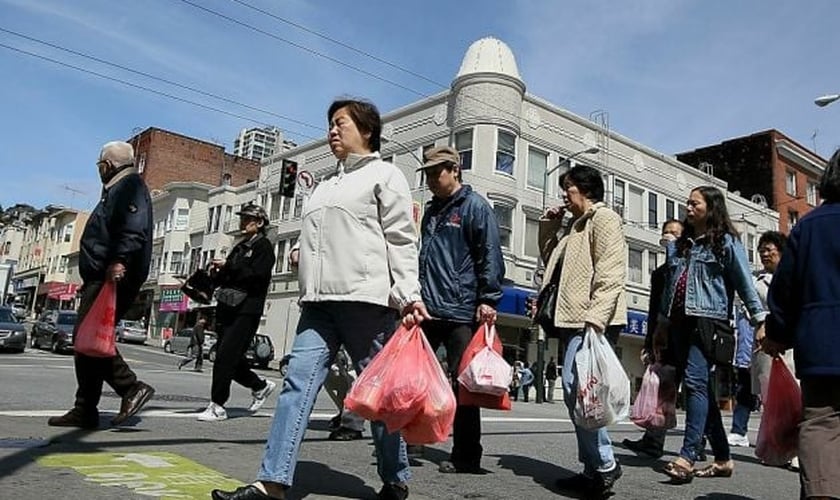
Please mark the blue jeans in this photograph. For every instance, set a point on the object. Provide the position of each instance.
(702, 412)
(744, 402)
(594, 446)
(362, 329)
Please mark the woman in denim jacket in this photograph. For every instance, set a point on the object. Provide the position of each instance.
(705, 267)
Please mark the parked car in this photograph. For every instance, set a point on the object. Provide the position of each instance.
(260, 352)
(54, 330)
(180, 342)
(131, 331)
(12, 332)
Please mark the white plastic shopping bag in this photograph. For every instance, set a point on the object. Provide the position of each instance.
(488, 372)
(603, 396)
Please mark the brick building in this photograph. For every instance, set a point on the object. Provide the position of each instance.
(163, 157)
(783, 172)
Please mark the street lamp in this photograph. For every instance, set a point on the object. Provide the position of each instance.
(540, 333)
(565, 162)
(825, 100)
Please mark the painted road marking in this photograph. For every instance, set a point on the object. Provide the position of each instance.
(314, 416)
(155, 474)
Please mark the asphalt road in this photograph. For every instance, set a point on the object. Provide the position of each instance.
(166, 453)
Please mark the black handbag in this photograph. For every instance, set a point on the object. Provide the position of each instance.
(199, 287)
(716, 339)
(231, 297)
(547, 304)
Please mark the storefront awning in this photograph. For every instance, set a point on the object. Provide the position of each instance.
(513, 300)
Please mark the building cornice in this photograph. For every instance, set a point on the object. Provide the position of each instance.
(791, 152)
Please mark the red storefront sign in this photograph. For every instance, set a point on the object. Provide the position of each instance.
(61, 291)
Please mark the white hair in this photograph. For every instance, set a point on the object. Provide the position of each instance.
(118, 152)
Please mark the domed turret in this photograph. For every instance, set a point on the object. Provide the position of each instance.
(489, 55)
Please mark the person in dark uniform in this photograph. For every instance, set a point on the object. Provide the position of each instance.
(196, 348)
(116, 245)
(242, 280)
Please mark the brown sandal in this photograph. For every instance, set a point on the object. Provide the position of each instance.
(681, 471)
(717, 469)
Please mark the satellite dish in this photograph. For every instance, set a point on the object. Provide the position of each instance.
(759, 199)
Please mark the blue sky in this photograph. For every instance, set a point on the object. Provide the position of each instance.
(672, 74)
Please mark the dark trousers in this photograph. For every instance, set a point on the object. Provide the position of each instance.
(92, 372)
(466, 435)
(236, 335)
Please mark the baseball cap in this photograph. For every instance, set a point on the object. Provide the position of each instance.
(440, 154)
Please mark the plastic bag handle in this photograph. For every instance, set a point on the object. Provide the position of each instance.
(489, 334)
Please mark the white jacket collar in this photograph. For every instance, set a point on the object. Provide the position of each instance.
(354, 162)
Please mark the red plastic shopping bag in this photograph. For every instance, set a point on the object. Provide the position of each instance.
(433, 423)
(487, 372)
(95, 335)
(387, 389)
(467, 398)
(778, 433)
(655, 405)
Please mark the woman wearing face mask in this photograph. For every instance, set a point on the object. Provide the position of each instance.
(242, 280)
(358, 270)
(588, 261)
(707, 265)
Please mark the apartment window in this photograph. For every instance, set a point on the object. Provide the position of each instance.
(793, 218)
(634, 261)
(537, 165)
(464, 145)
(635, 210)
(169, 221)
(751, 248)
(653, 261)
(681, 212)
(195, 259)
(68, 232)
(228, 215)
(670, 209)
(274, 212)
(141, 163)
(226, 180)
(182, 219)
(280, 262)
(216, 216)
(287, 208)
(790, 182)
(210, 219)
(505, 152)
(175, 262)
(298, 207)
(653, 210)
(504, 217)
(812, 194)
(618, 197)
(532, 229)
(164, 263)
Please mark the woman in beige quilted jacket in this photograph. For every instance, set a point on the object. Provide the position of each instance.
(590, 257)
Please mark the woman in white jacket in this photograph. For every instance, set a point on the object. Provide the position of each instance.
(357, 259)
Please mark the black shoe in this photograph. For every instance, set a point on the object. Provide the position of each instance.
(643, 447)
(447, 467)
(393, 491)
(249, 492)
(132, 403)
(604, 481)
(335, 423)
(76, 418)
(344, 434)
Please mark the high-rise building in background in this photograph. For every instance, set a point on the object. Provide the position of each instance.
(260, 143)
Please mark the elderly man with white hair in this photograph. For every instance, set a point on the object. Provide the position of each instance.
(116, 245)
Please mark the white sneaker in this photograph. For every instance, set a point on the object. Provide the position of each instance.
(738, 440)
(213, 413)
(261, 395)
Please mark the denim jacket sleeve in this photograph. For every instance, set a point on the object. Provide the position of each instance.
(737, 268)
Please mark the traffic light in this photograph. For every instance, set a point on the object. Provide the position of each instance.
(288, 178)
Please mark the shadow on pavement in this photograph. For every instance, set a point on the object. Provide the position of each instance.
(543, 473)
(312, 478)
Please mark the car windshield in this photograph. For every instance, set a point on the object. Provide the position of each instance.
(6, 316)
(66, 319)
(133, 324)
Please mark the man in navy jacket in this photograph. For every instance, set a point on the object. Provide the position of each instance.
(461, 272)
(804, 303)
(116, 245)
